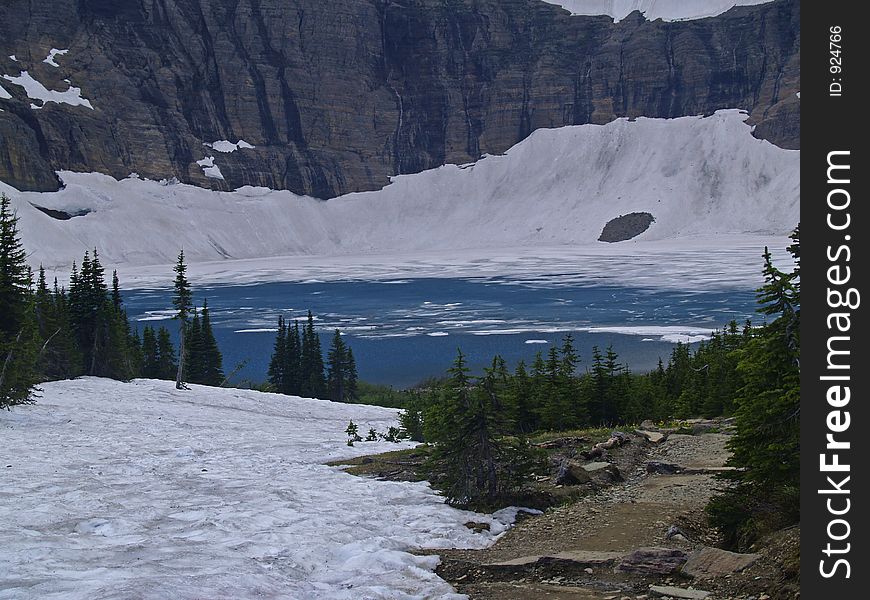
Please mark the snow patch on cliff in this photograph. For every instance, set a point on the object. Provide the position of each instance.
(37, 91)
(227, 146)
(209, 168)
(667, 10)
(54, 53)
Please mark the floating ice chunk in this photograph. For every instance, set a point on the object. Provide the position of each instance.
(54, 53)
(36, 91)
(13, 57)
(209, 168)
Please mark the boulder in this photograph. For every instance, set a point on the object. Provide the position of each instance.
(653, 561)
(572, 474)
(708, 563)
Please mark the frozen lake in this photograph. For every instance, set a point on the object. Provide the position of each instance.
(404, 330)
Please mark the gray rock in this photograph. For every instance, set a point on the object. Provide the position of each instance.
(708, 563)
(653, 561)
(571, 474)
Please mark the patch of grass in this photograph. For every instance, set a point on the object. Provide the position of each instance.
(593, 434)
(401, 465)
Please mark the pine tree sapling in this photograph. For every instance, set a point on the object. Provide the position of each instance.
(182, 300)
(352, 432)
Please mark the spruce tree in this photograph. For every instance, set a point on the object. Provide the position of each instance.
(351, 393)
(168, 361)
(193, 354)
(18, 330)
(766, 446)
(150, 354)
(277, 373)
(337, 371)
(293, 358)
(182, 300)
(212, 359)
(313, 379)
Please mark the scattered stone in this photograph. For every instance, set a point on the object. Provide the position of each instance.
(675, 592)
(571, 474)
(588, 570)
(708, 563)
(676, 533)
(654, 437)
(477, 527)
(662, 468)
(653, 561)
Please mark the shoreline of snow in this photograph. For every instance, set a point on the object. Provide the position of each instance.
(667, 10)
(138, 489)
(700, 177)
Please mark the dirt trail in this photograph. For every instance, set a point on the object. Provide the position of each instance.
(618, 519)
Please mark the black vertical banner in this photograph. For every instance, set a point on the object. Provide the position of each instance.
(835, 420)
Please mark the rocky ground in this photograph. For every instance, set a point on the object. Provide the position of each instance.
(643, 537)
(626, 522)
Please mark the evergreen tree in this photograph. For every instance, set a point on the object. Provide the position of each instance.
(313, 379)
(522, 401)
(341, 371)
(182, 300)
(766, 446)
(212, 359)
(277, 373)
(352, 393)
(167, 360)
(470, 430)
(18, 329)
(150, 354)
(193, 355)
(293, 361)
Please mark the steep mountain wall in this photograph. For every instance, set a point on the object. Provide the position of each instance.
(337, 96)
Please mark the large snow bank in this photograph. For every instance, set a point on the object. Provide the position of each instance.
(667, 10)
(137, 490)
(697, 176)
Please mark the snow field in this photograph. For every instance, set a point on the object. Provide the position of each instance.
(667, 10)
(114, 490)
(700, 177)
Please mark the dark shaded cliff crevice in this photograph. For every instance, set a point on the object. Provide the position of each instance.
(339, 96)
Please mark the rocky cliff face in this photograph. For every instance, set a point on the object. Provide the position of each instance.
(338, 96)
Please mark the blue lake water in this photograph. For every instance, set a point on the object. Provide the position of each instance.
(403, 331)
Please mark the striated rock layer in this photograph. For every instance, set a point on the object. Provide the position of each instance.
(338, 96)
